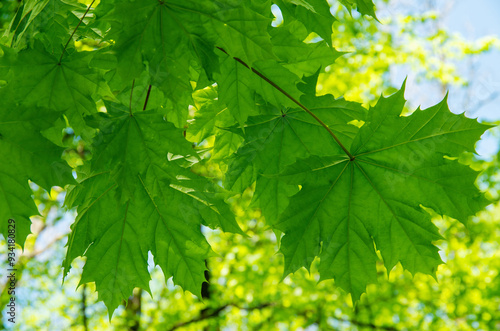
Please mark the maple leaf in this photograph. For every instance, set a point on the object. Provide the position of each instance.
(64, 85)
(26, 155)
(134, 198)
(348, 208)
(275, 140)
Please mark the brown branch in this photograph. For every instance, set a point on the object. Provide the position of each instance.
(207, 314)
(133, 311)
(84, 308)
(199, 318)
(35, 253)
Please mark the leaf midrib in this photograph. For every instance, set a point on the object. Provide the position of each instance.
(419, 139)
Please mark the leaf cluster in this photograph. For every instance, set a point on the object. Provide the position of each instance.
(162, 86)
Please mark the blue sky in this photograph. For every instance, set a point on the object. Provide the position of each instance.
(473, 20)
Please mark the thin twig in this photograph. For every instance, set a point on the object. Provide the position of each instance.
(84, 308)
(216, 312)
(199, 318)
(270, 82)
(71, 37)
(42, 250)
(147, 98)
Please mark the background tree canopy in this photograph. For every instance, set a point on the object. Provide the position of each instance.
(174, 147)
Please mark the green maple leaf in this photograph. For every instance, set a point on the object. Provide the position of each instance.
(276, 140)
(136, 197)
(348, 208)
(26, 155)
(36, 79)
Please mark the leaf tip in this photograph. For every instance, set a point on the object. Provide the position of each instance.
(403, 86)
